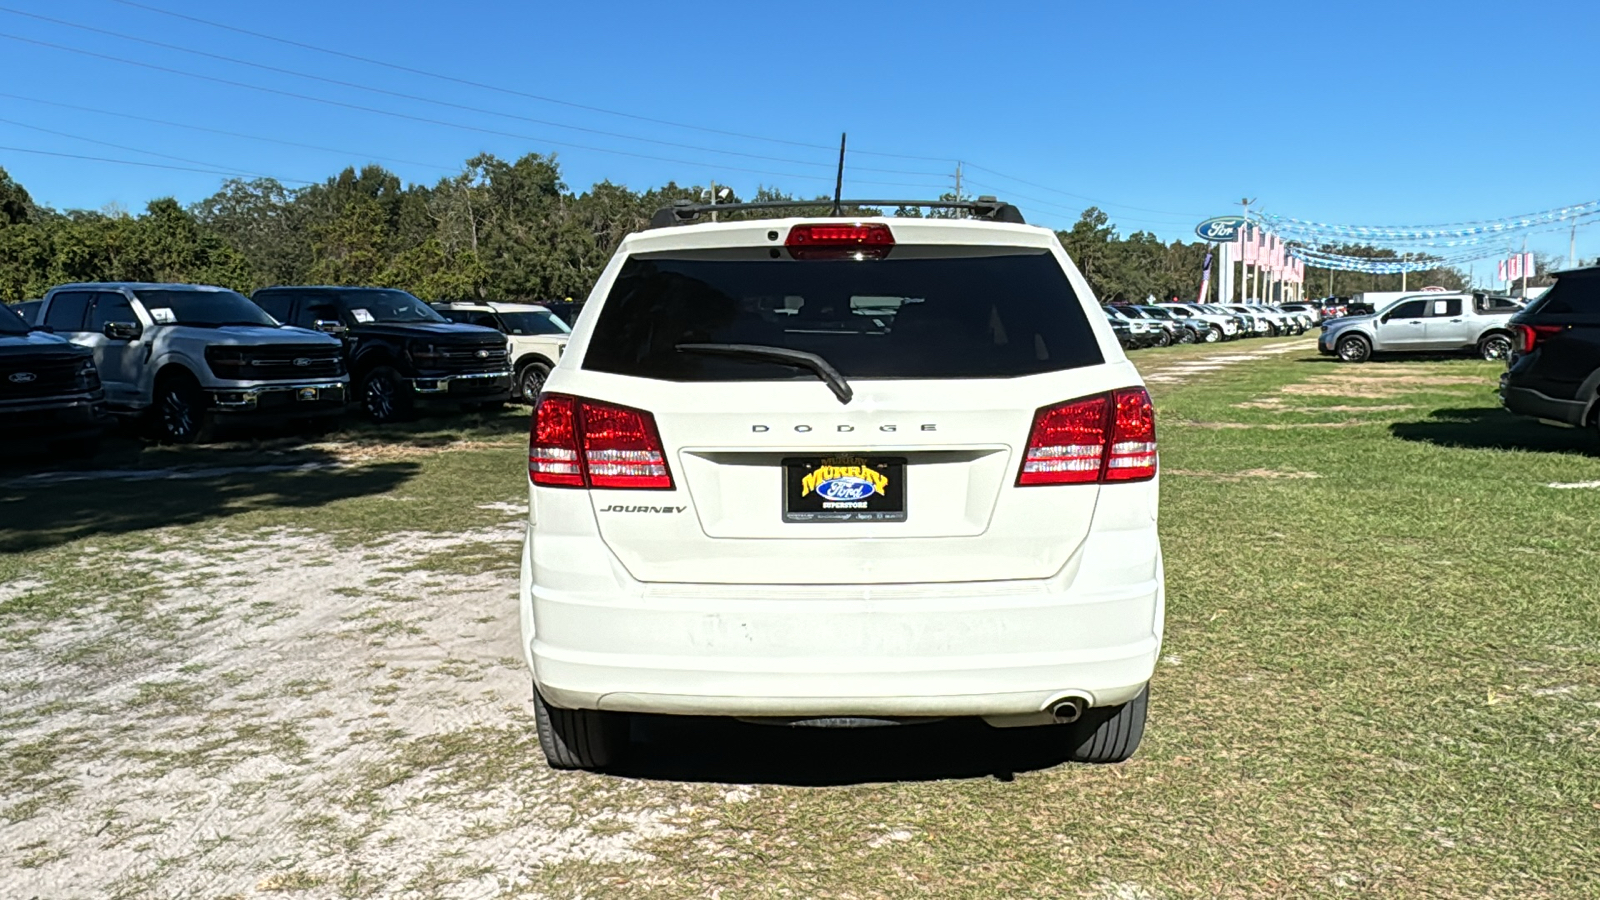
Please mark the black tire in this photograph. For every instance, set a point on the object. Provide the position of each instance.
(1353, 348)
(384, 396)
(1213, 334)
(179, 409)
(1187, 336)
(579, 738)
(530, 381)
(1109, 734)
(1496, 346)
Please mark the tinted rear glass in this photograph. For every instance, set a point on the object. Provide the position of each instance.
(921, 313)
(204, 308)
(1570, 294)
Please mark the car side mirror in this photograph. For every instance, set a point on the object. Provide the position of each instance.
(329, 326)
(123, 331)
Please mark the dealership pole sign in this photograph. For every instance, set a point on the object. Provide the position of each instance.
(1220, 229)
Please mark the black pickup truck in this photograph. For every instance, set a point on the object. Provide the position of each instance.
(50, 393)
(400, 352)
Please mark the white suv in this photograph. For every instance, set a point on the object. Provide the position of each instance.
(838, 472)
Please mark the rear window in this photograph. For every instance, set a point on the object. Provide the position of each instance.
(1570, 294)
(921, 313)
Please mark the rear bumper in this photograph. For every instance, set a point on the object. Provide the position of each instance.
(1529, 402)
(1003, 650)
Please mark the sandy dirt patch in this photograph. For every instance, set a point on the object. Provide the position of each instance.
(280, 713)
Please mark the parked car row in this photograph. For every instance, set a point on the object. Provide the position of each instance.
(184, 358)
(1164, 324)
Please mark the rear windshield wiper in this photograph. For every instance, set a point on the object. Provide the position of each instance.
(797, 358)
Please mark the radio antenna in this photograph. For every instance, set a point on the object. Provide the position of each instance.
(838, 181)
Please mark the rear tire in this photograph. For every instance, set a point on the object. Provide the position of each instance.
(1494, 347)
(579, 738)
(1213, 334)
(1109, 734)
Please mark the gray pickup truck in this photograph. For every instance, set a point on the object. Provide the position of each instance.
(188, 355)
(1475, 323)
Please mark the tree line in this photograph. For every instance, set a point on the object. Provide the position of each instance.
(498, 230)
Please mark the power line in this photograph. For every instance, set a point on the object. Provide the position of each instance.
(401, 115)
(89, 140)
(234, 134)
(1011, 195)
(505, 90)
(123, 162)
(405, 96)
(1045, 187)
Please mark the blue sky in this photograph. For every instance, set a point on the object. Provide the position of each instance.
(1354, 112)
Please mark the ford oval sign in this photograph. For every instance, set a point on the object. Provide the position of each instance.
(1220, 229)
(22, 378)
(847, 487)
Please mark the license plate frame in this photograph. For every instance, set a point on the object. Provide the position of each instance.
(857, 488)
(308, 394)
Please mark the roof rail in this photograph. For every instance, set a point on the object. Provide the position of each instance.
(684, 212)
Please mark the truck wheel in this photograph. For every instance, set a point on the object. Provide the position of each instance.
(1187, 336)
(383, 396)
(579, 738)
(1213, 334)
(1353, 348)
(1108, 734)
(180, 411)
(1164, 339)
(530, 381)
(1494, 346)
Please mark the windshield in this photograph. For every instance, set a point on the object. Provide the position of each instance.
(207, 309)
(1155, 312)
(924, 312)
(387, 305)
(10, 322)
(533, 323)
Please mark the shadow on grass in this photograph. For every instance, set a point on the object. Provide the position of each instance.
(46, 509)
(1492, 428)
(683, 748)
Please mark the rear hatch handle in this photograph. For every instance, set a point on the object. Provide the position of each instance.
(799, 359)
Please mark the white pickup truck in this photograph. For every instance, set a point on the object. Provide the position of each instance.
(190, 354)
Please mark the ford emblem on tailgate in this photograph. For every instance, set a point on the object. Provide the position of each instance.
(22, 377)
(302, 361)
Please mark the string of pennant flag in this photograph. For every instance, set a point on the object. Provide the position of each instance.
(1454, 234)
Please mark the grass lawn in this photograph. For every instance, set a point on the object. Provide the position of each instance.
(1381, 678)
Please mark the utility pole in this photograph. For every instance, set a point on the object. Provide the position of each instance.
(1525, 268)
(713, 200)
(1572, 246)
(1244, 267)
(958, 181)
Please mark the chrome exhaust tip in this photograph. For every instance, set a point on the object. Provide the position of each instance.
(1067, 710)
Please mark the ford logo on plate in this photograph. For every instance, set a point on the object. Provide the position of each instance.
(302, 362)
(22, 378)
(845, 487)
(1221, 228)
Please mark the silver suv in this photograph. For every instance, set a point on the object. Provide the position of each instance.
(1425, 323)
(192, 353)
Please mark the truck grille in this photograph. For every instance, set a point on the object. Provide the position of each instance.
(490, 358)
(279, 362)
(40, 378)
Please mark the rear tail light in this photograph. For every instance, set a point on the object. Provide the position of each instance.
(841, 241)
(1108, 437)
(584, 443)
(1528, 336)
